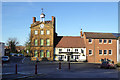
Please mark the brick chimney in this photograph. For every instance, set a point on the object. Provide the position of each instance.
(34, 19)
(53, 18)
(81, 33)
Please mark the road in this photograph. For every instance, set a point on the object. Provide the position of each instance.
(51, 70)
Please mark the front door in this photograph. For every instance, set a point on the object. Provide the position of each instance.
(68, 58)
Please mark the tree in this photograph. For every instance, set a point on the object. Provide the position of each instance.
(12, 42)
(27, 45)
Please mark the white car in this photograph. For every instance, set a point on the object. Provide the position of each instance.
(5, 58)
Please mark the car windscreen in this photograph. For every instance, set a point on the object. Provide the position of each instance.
(4, 57)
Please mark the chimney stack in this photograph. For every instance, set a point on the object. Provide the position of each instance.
(34, 19)
(53, 18)
(81, 33)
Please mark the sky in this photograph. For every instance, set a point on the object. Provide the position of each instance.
(70, 18)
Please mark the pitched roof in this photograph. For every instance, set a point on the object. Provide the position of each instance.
(96, 35)
(71, 42)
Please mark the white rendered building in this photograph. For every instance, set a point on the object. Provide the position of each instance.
(70, 49)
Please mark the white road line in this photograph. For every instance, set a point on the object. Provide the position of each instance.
(23, 59)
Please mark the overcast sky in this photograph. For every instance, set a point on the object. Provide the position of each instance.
(70, 18)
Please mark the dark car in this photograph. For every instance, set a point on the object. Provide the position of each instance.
(107, 65)
(5, 59)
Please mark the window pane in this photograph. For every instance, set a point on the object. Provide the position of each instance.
(41, 53)
(110, 51)
(100, 51)
(105, 41)
(90, 40)
(105, 51)
(41, 42)
(90, 51)
(48, 32)
(41, 32)
(48, 53)
(100, 41)
(48, 42)
(110, 41)
(36, 42)
(36, 32)
(60, 50)
(35, 53)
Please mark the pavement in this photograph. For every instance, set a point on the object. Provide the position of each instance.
(48, 70)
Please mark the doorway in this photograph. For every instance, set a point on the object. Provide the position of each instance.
(68, 58)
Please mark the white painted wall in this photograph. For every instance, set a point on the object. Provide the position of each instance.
(2, 52)
(80, 58)
(118, 50)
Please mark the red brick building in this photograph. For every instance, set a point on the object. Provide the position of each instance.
(100, 46)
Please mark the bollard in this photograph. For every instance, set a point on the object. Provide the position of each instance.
(59, 65)
(69, 65)
(35, 68)
(16, 69)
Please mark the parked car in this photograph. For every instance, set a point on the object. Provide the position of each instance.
(12, 54)
(5, 58)
(15, 55)
(107, 65)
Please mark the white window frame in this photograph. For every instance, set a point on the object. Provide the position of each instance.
(35, 32)
(68, 50)
(41, 32)
(101, 42)
(111, 41)
(99, 52)
(91, 52)
(90, 42)
(106, 41)
(76, 50)
(106, 52)
(111, 51)
(60, 49)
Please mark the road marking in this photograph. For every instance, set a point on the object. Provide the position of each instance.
(23, 59)
(8, 73)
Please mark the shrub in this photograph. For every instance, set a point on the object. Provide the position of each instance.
(118, 64)
(45, 59)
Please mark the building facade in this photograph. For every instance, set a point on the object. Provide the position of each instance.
(2, 51)
(100, 46)
(89, 46)
(70, 49)
(42, 38)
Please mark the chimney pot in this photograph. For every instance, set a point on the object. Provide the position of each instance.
(81, 33)
(52, 18)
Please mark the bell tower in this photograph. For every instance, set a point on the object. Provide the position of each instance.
(42, 16)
